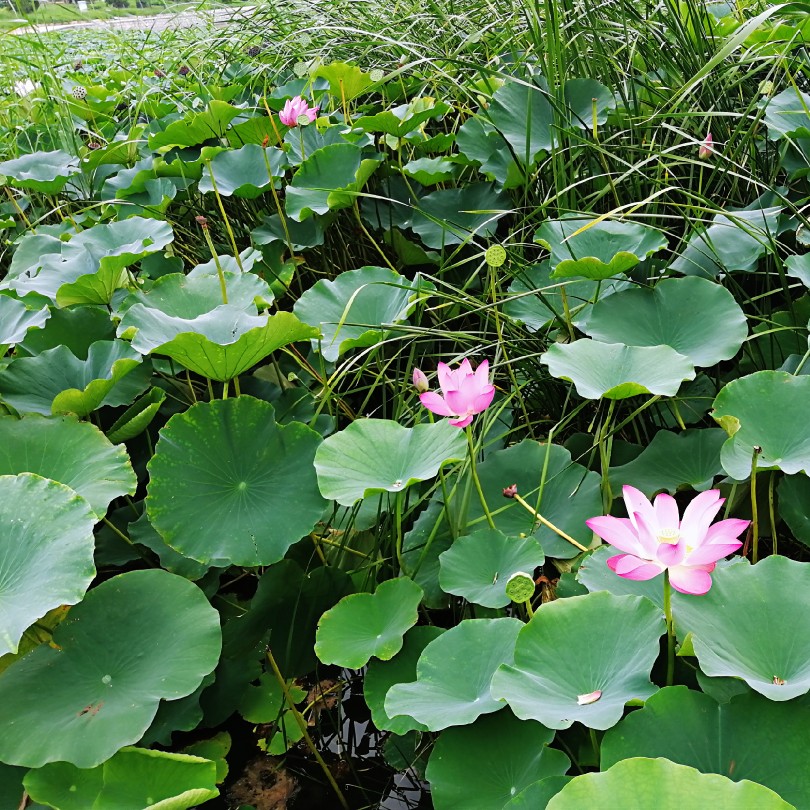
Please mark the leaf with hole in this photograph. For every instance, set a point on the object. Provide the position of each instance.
(617, 644)
(135, 639)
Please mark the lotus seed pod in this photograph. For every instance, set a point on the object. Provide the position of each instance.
(376, 75)
(79, 92)
(520, 587)
(495, 256)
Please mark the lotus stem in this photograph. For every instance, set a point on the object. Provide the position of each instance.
(226, 221)
(476, 481)
(670, 629)
(754, 514)
(547, 523)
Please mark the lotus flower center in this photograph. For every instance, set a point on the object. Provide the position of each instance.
(669, 536)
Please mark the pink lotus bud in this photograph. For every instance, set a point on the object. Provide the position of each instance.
(420, 381)
(510, 491)
(706, 150)
(294, 110)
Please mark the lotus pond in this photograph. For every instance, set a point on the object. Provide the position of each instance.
(406, 405)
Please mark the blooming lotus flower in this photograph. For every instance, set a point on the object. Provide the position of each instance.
(705, 149)
(655, 539)
(294, 108)
(464, 392)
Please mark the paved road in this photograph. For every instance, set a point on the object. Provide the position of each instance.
(159, 22)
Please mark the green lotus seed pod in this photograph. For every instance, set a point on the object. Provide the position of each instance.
(495, 256)
(376, 75)
(520, 587)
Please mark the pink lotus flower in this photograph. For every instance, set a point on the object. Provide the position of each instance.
(655, 539)
(294, 108)
(705, 150)
(464, 392)
(420, 381)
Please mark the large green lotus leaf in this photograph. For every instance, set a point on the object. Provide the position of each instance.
(454, 216)
(750, 737)
(799, 267)
(46, 552)
(775, 664)
(141, 531)
(672, 461)
(382, 675)
(196, 128)
(545, 303)
(564, 493)
(90, 267)
(365, 625)
(135, 639)
(767, 409)
(734, 242)
(639, 784)
(355, 309)
(454, 674)
(585, 99)
(378, 455)
(47, 172)
(228, 483)
(617, 644)
(430, 171)
(246, 172)
(786, 113)
(16, 319)
(524, 116)
(794, 496)
(595, 575)
(479, 565)
(698, 318)
(177, 304)
(596, 249)
(404, 119)
(616, 371)
(133, 779)
(57, 381)
(221, 358)
(516, 755)
(76, 454)
(330, 178)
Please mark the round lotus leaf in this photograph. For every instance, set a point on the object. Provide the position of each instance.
(47, 172)
(698, 318)
(597, 249)
(595, 575)
(365, 625)
(246, 172)
(133, 779)
(767, 409)
(479, 565)
(564, 493)
(379, 455)
(749, 737)
(673, 460)
(46, 552)
(554, 681)
(776, 664)
(357, 309)
(484, 765)
(639, 784)
(228, 483)
(57, 381)
(76, 454)
(16, 319)
(454, 673)
(382, 675)
(523, 114)
(616, 371)
(135, 639)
